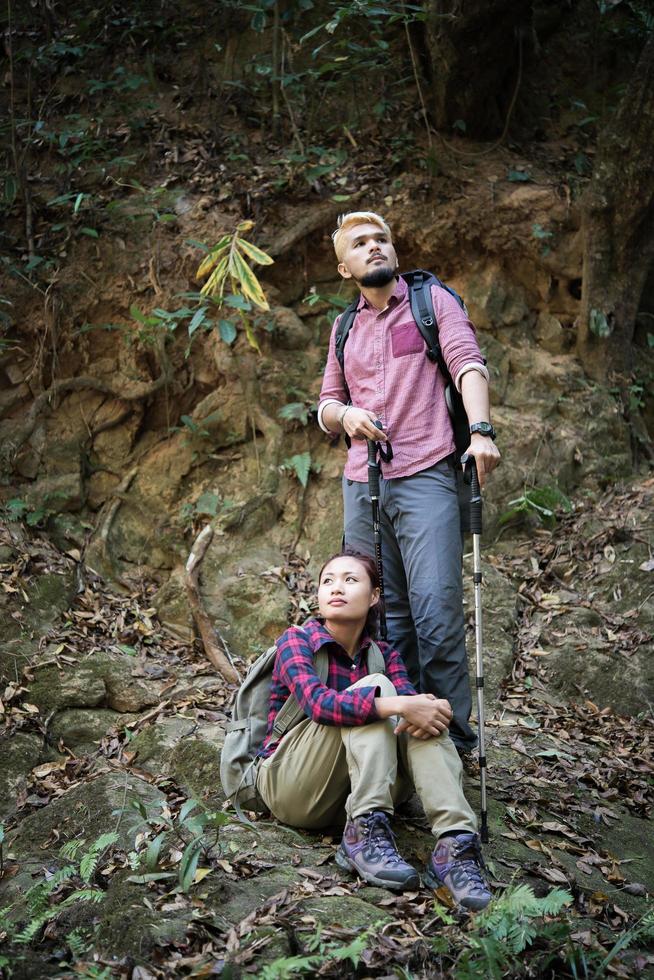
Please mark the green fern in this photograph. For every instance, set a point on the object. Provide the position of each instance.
(83, 895)
(71, 847)
(87, 866)
(104, 841)
(78, 943)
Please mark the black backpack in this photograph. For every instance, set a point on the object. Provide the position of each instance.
(420, 283)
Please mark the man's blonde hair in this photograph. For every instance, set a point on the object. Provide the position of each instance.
(356, 218)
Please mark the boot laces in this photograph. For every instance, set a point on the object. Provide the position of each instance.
(379, 834)
(468, 857)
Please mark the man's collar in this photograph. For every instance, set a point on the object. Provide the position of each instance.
(396, 296)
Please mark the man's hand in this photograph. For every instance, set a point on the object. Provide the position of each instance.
(359, 423)
(424, 716)
(487, 455)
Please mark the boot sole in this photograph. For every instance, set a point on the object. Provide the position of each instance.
(411, 884)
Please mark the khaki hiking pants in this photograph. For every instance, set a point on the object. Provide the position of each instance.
(320, 773)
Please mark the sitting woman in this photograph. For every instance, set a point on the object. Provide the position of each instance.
(368, 740)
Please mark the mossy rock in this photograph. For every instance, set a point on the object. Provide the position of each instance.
(154, 744)
(88, 811)
(55, 690)
(82, 729)
(19, 753)
(101, 680)
(50, 594)
(195, 766)
(128, 927)
(348, 911)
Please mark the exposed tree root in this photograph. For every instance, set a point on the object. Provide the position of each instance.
(99, 543)
(15, 436)
(214, 645)
(313, 219)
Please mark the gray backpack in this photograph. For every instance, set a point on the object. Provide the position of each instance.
(247, 729)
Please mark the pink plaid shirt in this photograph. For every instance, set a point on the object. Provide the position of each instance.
(388, 373)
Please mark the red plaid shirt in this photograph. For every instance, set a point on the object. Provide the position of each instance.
(327, 704)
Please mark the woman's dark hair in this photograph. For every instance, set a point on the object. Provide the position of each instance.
(371, 624)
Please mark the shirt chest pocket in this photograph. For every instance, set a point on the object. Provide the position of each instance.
(406, 339)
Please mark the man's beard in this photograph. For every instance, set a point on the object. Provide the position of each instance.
(378, 277)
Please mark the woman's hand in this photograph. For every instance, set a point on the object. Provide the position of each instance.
(424, 716)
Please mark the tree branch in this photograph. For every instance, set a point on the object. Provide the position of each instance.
(214, 645)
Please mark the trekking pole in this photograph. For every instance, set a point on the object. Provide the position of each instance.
(470, 465)
(373, 492)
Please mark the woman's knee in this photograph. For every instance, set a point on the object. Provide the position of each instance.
(386, 688)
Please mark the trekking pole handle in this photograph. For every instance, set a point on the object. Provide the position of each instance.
(373, 470)
(373, 465)
(472, 477)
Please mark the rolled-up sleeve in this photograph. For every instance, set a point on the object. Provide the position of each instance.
(457, 336)
(333, 388)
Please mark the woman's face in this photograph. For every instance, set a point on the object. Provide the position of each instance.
(345, 593)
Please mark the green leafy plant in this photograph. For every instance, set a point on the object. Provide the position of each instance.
(301, 465)
(228, 268)
(187, 831)
(320, 954)
(541, 502)
(544, 236)
(18, 509)
(295, 412)
(504, 930)
(46, 900)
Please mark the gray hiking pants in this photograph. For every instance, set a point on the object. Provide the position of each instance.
(421, 555)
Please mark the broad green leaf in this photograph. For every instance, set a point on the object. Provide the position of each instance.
(237, 302)
(192, 804)
(91, 232)
(154, 876)
(250, 286)
(301, 466)
(152, 852)
(254, 253)
(227, 331)
(197, 321)
(189, 863)
(599, 324)
(518, 176)
(216, 281)
(210, 261)
(207, 503)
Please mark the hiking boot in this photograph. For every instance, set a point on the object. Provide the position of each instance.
(368, 847)
(456, 862)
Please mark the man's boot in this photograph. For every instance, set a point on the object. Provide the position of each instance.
(456, 863)
(368, 847)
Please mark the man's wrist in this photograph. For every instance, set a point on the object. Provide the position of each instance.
(341, 414)
(485, 429)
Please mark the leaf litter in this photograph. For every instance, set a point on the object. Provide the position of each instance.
(559, 747)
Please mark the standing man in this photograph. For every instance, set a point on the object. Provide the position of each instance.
(387, 376)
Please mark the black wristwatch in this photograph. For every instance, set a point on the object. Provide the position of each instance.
(483, 428)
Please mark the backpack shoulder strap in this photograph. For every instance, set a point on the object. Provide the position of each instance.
(291, 711)
(344, 326)
(422, 308)
(376, 662)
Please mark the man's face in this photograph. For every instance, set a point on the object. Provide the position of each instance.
(369, 257)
